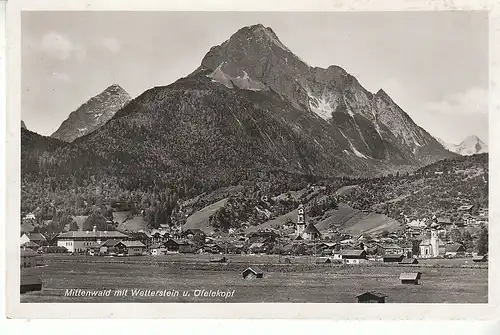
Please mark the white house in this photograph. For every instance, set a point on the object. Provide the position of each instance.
(80, 241)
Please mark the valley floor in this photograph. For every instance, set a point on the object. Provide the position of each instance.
(302, 281)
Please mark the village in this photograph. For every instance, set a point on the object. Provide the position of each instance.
(437, 237)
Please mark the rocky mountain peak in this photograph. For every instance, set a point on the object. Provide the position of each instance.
(93, 114)
(23, 125)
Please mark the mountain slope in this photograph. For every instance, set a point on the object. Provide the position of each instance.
(36, 150)
(23, 125)
(92, 114)
(248, 109)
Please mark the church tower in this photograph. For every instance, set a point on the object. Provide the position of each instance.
(434, 243)
(301, 222)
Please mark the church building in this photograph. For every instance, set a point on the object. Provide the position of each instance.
(309, 232)
(433, 247)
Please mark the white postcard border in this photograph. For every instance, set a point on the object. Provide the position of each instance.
(15, 309)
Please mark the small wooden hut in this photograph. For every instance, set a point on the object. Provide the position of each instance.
(371, 297)
(410, 277)
(252, 272)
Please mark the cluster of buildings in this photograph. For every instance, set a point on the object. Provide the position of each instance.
(299, 238)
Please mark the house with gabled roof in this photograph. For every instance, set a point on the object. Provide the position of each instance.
(350, 256)
(133, 248)
(80, 241)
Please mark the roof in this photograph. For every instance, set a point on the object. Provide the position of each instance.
(96, 234)
(110, 243)
(29, 244)
(454, 247)
(444, 220)
(477, 257)
(36, 237)
(257, 245)
(254, 269)
(311, 229)
(156, 246)
(465, 207)
(409, 261)
(393, 256)
(28, 253)
(348, 252)
(132, 244)
(410, 275)
(374, 293)
(390, 246)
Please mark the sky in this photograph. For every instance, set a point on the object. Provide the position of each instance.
(434, 65)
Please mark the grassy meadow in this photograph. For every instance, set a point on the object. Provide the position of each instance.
(298, 282)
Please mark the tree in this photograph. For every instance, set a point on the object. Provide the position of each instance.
(467, 240)
(456, 235)
(482, 242)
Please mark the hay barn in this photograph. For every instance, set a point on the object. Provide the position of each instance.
(410, 277)
(252, 273)
(392, 258)
(408, 261)
(371, 297)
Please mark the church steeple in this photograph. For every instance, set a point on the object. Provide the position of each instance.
(301, 222)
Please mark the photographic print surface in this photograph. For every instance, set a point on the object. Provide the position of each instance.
(242, 157)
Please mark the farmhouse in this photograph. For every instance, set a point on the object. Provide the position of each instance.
(371, 297)
(133, 248)
(29, 258)
(410, 277)
(389, 249)
(252, 273)
(323, 260)
(37, 238)
(157, 249)
(392, 258)
(79, 241)
(257, 248)
(186, 246)
(171, 245)
(353, 256)
(108, 246)
(455, 250)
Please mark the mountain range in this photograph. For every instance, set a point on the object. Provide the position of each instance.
(251, 106)
(470, 146)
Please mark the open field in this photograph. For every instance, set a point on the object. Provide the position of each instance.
(281, 283)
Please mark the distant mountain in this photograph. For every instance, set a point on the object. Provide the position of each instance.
(470, 146)
(92, 114)
(23, 125)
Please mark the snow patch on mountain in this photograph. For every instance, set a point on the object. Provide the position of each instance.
(353, 148)
(241, 81)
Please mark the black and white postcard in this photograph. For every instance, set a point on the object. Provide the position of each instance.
(197, 157)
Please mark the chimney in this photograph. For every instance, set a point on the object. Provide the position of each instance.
(95, 229)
